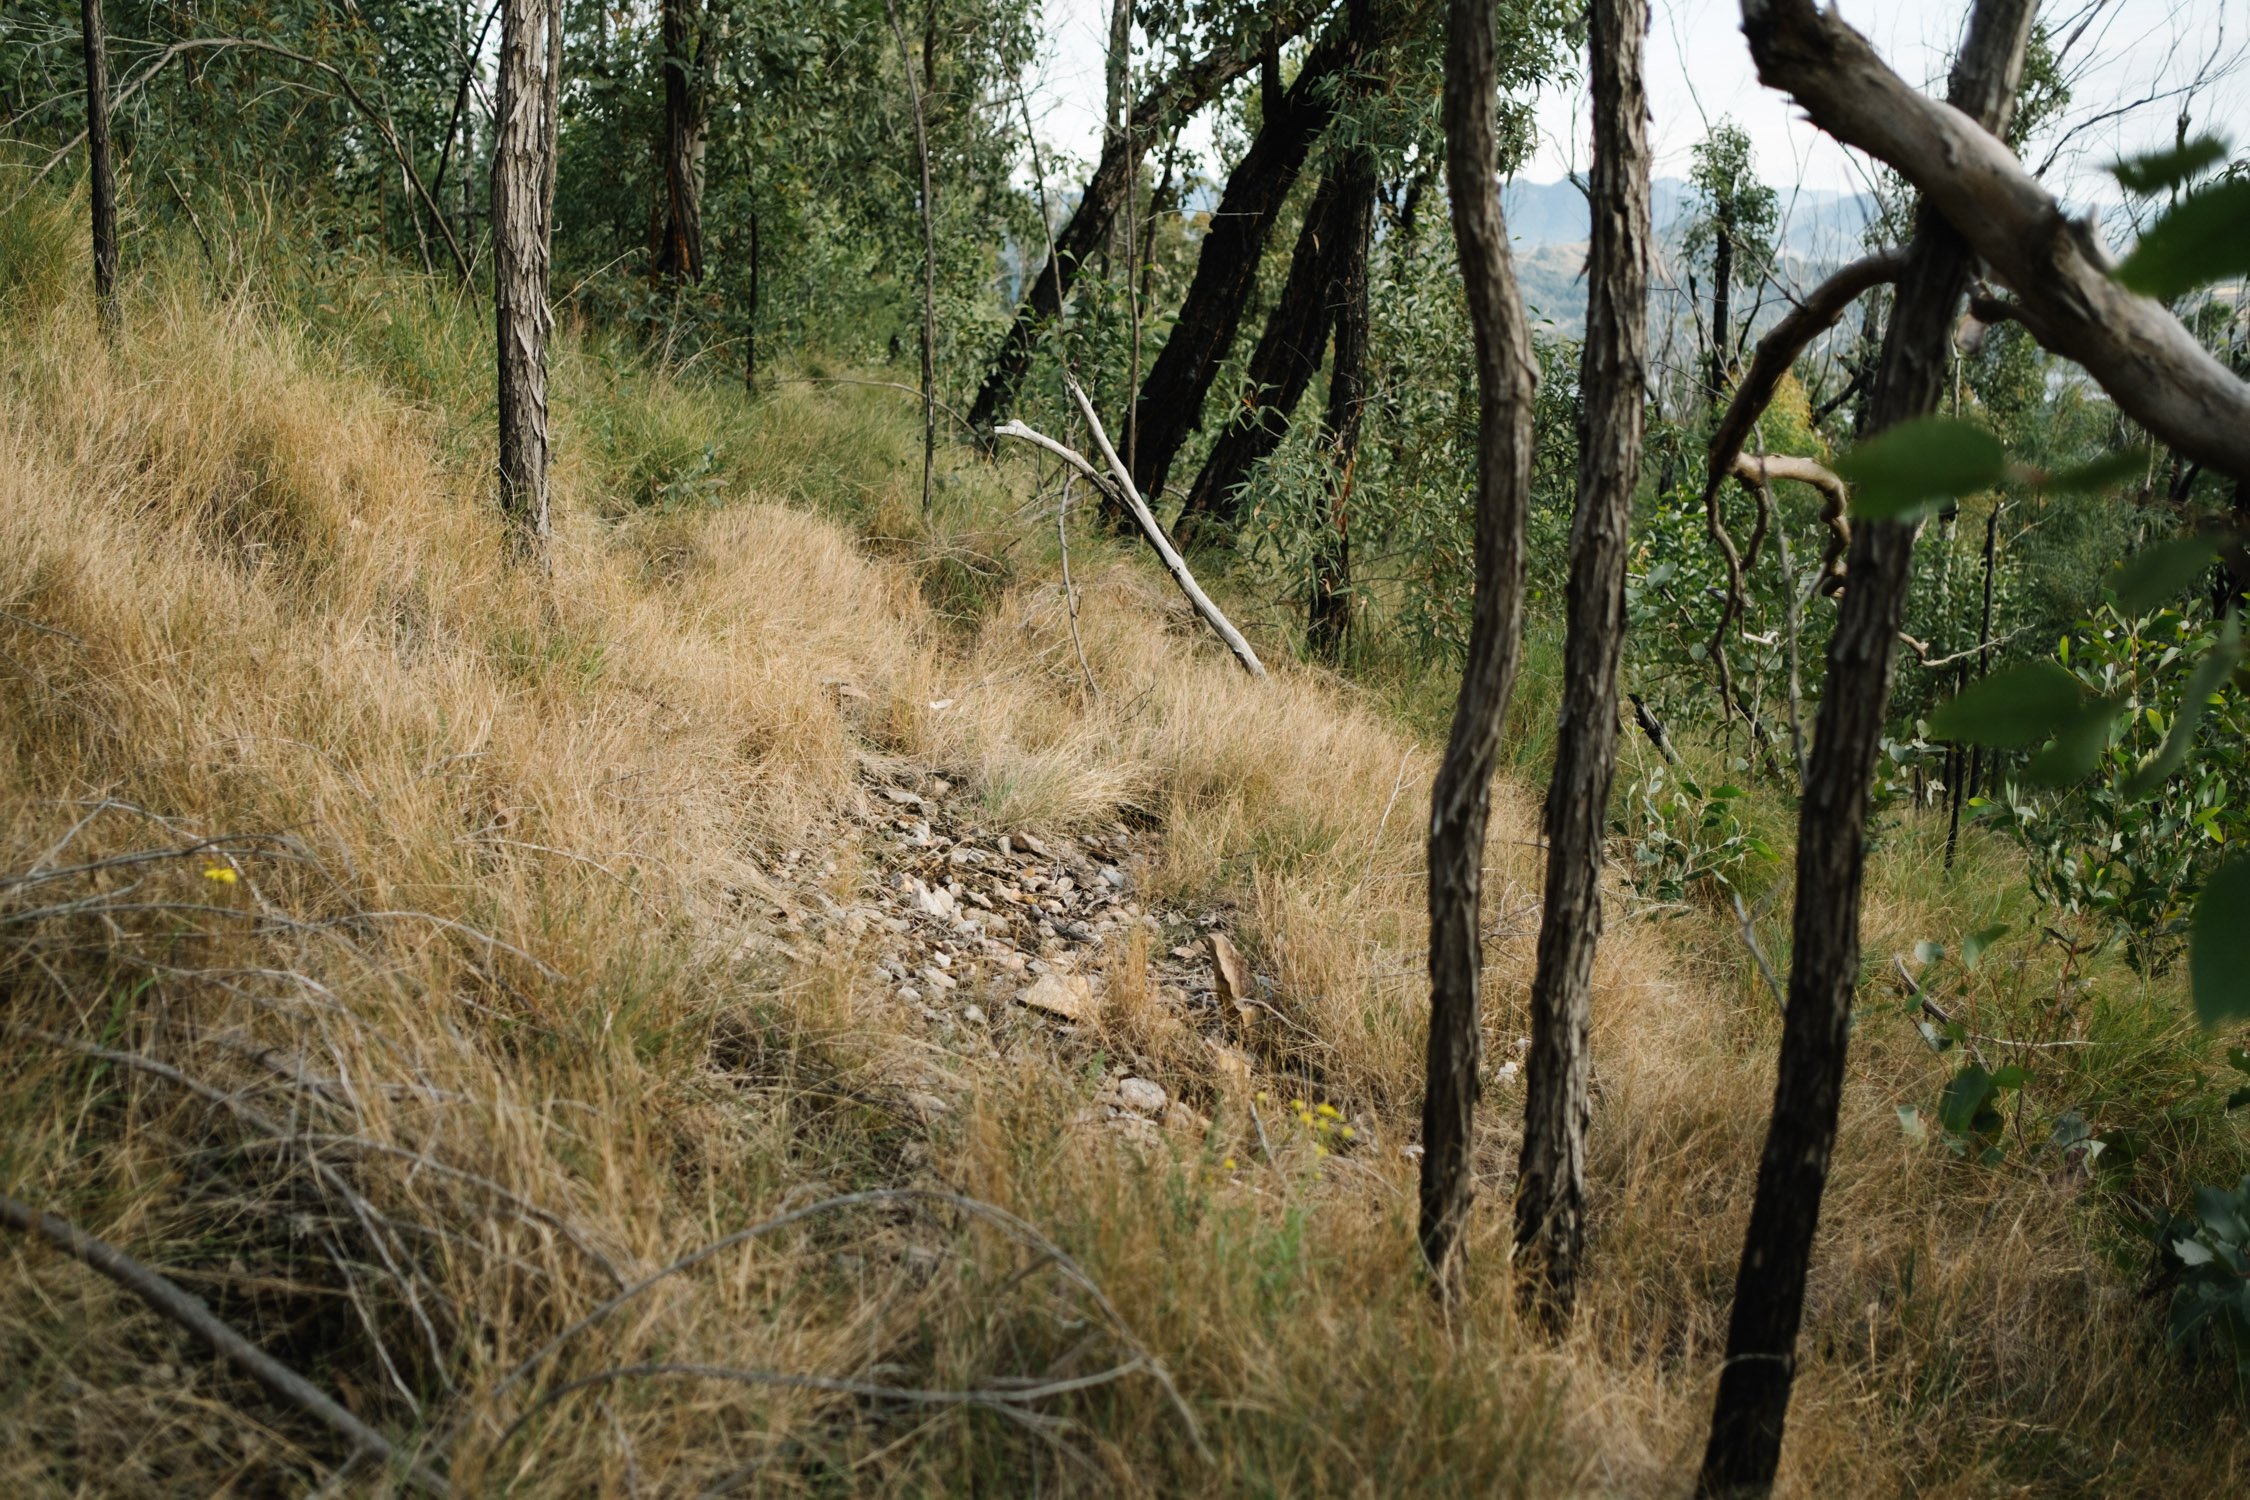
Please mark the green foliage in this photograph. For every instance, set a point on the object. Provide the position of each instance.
(2219, 949)
(1687, 840)
(2210, 1250)
(2203, 239)
(1913, 469)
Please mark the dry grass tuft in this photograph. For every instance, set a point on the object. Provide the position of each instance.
(425, 918)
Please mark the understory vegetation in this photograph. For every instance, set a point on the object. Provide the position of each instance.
(393, 954)
(716, 777)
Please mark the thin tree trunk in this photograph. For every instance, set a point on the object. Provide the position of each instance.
(1984, 638)
(1722, 295)
(1461, 798)
(522, 221)
(1331, 608)
(679, 253)
(1754, 1385)
(928, 207)
(1551, 1179)
(1287, 355)
(1170, 404)
(750, 317)
(102, 173)
(1174, 98)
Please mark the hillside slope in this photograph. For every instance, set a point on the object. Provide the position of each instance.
(404, 954)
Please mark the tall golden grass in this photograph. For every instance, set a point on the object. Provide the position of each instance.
(454, 890)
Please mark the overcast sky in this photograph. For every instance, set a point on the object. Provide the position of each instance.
(1699, 69)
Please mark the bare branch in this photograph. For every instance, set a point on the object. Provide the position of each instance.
(2148, 362)
(183, 1307)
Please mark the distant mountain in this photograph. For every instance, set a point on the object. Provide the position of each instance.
(1816, 224)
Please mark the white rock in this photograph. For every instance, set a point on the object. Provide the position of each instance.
(974, 1015)
(1141, 1095)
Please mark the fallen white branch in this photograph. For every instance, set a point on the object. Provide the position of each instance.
(1119, 483)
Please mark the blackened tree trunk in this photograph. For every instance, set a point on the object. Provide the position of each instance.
(1283, 363)
(523, 196)
(1613, 373)
(927, 205)
(750, 313)
(1461, 798)
(1754, 1384)
(1722, 304)
(1162, 105)
(1330, 614)
(1170, 403)
(679, 253)
(101, 171)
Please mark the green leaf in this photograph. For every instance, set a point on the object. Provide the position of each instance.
(2219, 945)
(1914, 468)
(2157, 575)
(2104, 473)
(2210, 675)
(2192, 1253)
(1964, 1098)
(1910, 1121)
(2013, 708)
(2238, 1059)
(1927, 952)
(2205, 238)
(2010, 1077)
(2159, 170)
(1973, 946)
(2077, 746)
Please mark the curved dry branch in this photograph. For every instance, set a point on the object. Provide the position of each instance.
(174, 1302)
(2148, 362)
(1835, 495)
(1779, 349)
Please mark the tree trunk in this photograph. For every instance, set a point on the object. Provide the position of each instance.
(523, 154)
(1114, 75)
(100, 170)
(1331, 609)
(750, 314)
(1722, 298)
(1170, 403)
(1613, 373)
(928, 209)
(1461, 798)
(1287, 355)
(1172, 99)
(1754, 1384)
(679, 253)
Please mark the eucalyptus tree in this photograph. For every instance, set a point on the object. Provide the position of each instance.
(101, 172)
(526, 112)
(1735, 216)
(1613, 377)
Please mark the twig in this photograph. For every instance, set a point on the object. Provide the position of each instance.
(998, 1397)
(1070, 591)
(929, 260)
(183, 1307)
(1757, 950)
(990, 1213)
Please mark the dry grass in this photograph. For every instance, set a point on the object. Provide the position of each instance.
(472, 934)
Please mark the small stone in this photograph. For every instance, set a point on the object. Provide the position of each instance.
(1141, 1095)
(1113, 877)
(911, 995)
(939, 979)
(1033, 843)
(974, 1015)
(1066, 995)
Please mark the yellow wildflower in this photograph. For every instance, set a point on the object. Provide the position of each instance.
(220, 873)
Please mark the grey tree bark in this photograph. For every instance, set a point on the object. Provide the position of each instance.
(928, 209)
(1613, 375)
(1461, 798)
(1752, 1407)
(101, 171)
(523, 197)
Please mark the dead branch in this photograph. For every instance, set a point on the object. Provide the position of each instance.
(1779, 350)
(172, 1301)
(2149, 363)
(1767, 467)
(1119, 485)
